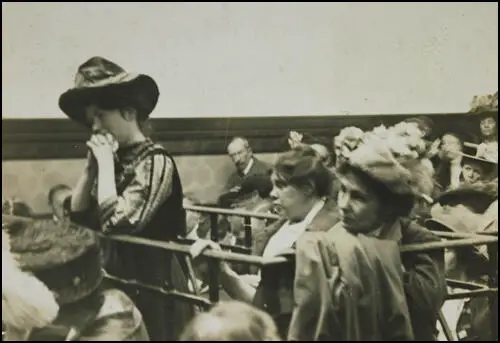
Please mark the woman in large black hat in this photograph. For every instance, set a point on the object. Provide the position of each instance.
(477, 169)
(465, 210)
(129, 185)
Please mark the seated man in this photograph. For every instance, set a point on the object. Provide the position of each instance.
(246, 165)
(448, 162)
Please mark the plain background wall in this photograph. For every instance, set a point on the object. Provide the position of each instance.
(258, 59)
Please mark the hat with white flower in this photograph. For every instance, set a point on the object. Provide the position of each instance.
(393, 156)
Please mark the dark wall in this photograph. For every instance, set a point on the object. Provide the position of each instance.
(62, 139)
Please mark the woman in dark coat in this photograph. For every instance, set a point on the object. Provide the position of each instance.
(130, 185)
(351, 281)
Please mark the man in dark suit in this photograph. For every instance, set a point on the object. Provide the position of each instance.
(246, 166)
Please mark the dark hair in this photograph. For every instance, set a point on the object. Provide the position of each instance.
(55, 189)
(402, 204)
(302, 167)
(122, 98)
(238, 322)
(260, 183)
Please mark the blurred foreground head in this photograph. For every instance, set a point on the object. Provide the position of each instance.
(231, 321)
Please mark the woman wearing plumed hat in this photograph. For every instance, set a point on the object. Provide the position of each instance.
(52, 287)
(381, 175)
(130, 185)
(485, 109)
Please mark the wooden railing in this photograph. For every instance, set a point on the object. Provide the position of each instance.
(454, 240)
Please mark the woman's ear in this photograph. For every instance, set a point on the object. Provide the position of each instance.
(129, 113)
(309, 189)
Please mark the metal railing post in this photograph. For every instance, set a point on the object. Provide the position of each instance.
(493, 283)
(213, 264)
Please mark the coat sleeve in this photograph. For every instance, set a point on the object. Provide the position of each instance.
(315, 317)
(424, 276)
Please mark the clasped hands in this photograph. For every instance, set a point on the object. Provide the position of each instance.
(102, 147)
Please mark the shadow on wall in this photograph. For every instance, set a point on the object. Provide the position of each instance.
(202, 176)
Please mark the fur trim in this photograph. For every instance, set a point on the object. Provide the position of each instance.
(27, 303)
(65, 257)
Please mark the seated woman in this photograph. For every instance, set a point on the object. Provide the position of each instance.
(52, 290)
(477, 169)
(485, 107)
(351, 281)
(300, 188)
(463, 210)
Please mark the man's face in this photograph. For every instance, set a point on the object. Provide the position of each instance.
(451, 147)
(240, 154)
(57, 203)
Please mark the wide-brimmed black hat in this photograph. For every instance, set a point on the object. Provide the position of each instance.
(479, 195)
(104, 83)
(489, 167)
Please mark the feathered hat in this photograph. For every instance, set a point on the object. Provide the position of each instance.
(65, 257)
(393, 156)
(485, 106)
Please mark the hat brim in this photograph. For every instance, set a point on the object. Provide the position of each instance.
(434, 224)
(489, 166)
(142, 91)
(437, 225)
(480, 114)
(464, 192)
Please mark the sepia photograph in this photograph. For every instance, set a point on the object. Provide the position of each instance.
(250, 171)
